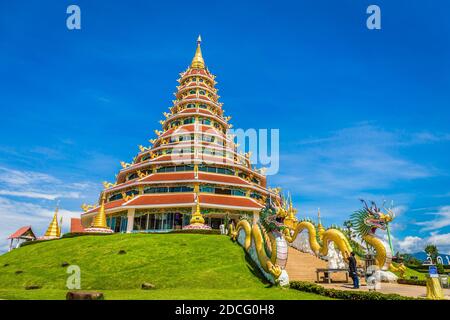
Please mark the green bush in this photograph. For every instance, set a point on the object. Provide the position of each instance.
(342, 294)
(196, 231)
(412, 282)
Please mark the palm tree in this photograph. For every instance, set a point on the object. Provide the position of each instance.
(432, 251)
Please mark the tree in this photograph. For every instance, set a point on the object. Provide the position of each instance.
(432, 251)
(349, 225)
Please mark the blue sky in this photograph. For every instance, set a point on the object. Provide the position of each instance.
(361, 113)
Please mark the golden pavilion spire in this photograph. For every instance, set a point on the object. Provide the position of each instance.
(54, 230)
(320, 228)
(100, 218)
(198, 62)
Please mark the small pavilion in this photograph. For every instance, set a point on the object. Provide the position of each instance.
(23, 234)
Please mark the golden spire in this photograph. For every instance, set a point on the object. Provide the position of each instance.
(197, 217)
(100, 218)
(198, 62)
(54, 231)
(320, 228)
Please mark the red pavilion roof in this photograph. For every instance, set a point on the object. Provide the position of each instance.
(21, 231)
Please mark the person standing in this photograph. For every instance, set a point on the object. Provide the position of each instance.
(353, 271)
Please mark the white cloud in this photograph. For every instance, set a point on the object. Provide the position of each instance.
(16, 214)
(28, 198)
(37, 185)
(351, 160)
(37, 195)
(20, 178)
(441, 220)
(413, 244)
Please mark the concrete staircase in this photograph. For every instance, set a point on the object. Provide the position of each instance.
(302, 266)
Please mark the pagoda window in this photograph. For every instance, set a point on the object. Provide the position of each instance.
(202, 92)
(238, 192)
(208, 151)
(224, 171)
(201, 80)
(174, 189)
(243, 175)
(184, 168)
(207, 189)
(163, 169)
(116, 196)
(254, 180)
(205, 121)
(190, 105)
(208, 138)
(155, 190)
(188, 120)
(132, 192)
(203, 106)
(255, 195)
(193, 79)
(192, 92)
(222, 191)
(132, 176)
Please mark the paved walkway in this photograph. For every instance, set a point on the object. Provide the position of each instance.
(401, 289)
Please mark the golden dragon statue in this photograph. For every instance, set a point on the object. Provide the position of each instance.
(264, 241)
(366, 221)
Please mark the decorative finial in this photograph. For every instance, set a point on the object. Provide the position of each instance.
(198, 62)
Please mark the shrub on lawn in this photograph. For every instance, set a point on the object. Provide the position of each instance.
(412, 282)
(197, 231)
(344, 294)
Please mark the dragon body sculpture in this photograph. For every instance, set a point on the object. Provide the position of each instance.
(366, 221)
(320, 240)
(264, 241)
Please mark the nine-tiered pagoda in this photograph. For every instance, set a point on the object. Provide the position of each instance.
(191, 175)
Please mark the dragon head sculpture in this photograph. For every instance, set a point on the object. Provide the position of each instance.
(368, 219)
(273, 214)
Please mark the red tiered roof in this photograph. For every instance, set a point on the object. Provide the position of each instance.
(168, 177)
(162, 199)
(230, 201)
(108, 205)
(222, 178)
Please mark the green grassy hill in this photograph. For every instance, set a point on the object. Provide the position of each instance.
(181, 266)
